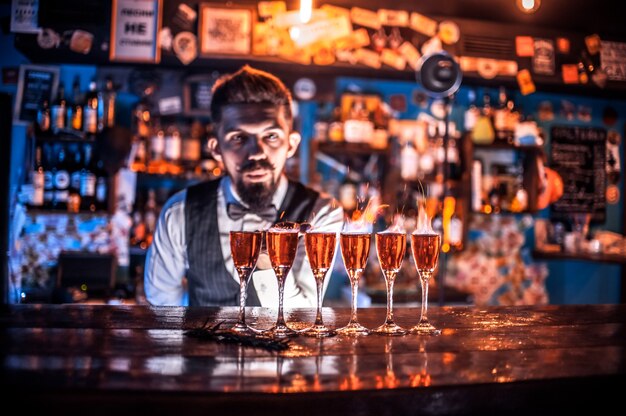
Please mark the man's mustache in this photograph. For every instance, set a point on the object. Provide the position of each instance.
(252, 165)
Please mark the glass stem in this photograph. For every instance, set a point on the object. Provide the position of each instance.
(424, 278)
(319, 279)
(390, 278)
(354, 283)
(243, 293)
(280, 321)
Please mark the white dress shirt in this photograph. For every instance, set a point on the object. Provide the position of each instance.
(166, 262)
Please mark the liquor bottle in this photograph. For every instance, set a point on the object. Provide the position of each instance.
(76, 110)
(141, 118)
(138, 230)
(75, 169)
(108, 99)
(452, 225)
(501, 116)
(48, 175)
(91, 122)
(38, 180)
(173, 146)
(138, 152)
(192, 144)
(472, 113)
(61, 179)
(157, 148)
(59, 110)
(483, 132)
(409, 161)
(43, 118)
(102, 187)
(88, 180)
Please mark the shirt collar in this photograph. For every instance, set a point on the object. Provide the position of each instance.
(231, 195)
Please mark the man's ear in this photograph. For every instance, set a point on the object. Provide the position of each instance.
(214, 148)
(294, 141)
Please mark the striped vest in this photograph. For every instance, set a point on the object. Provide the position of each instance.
(210, 284)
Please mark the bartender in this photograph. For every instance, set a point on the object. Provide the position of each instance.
(189, 261)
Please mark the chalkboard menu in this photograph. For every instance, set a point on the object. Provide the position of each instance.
(578, 154)
(35, 85)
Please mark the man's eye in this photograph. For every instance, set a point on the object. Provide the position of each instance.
(271, 136)
(237, 138)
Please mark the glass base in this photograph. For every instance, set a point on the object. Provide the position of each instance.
(390, 328)
(424, 328)
(353, 328)
(243, 329)
(280, 331)
(318, 331)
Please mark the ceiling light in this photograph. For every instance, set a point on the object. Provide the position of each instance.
(528, 6)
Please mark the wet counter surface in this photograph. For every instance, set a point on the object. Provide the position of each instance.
(129, 359)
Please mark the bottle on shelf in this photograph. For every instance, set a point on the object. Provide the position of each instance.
(61, 178)
(38, 180)
(142, 119)
(75, 169)
(172, 150)
(452, 225)
(192, 147)
(501, 118)
(108, 99)
(139, 154)
(484, 132)
(102, 187)
(59, 110)
(75, 111)
(92, 121)
(48, 175)
(409, 161)
(157, 149)
(44, 118)
(472, 113)
(88, 180)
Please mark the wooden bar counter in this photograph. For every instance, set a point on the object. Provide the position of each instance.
(98, 359)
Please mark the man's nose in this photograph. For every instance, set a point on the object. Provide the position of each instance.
(256, 149)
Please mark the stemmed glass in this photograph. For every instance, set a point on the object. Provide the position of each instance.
(282, 244)
(390, 247)
(320, 249)
(355, 249)
(425, 249)
(244, 247)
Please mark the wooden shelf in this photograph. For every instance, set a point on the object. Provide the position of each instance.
(348, 148)
(600, 258)
(506, 146)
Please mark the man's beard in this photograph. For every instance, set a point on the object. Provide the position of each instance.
(256, 194)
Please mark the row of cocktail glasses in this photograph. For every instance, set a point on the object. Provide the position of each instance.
(282, 244)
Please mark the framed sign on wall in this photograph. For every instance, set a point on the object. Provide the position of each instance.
(225, 30)
(35, 85)
(135, 27)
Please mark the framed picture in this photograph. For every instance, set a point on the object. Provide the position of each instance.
(135, 27)
(225, 30)
(197, 94)
(36, 84)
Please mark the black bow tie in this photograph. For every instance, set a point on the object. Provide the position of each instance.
(236, 211)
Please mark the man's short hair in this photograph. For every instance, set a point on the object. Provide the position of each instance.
(249, 86)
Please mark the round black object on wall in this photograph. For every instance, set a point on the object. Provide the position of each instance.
(439, 74)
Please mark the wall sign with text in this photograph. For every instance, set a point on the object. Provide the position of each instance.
(36, 84)
(135, 25)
